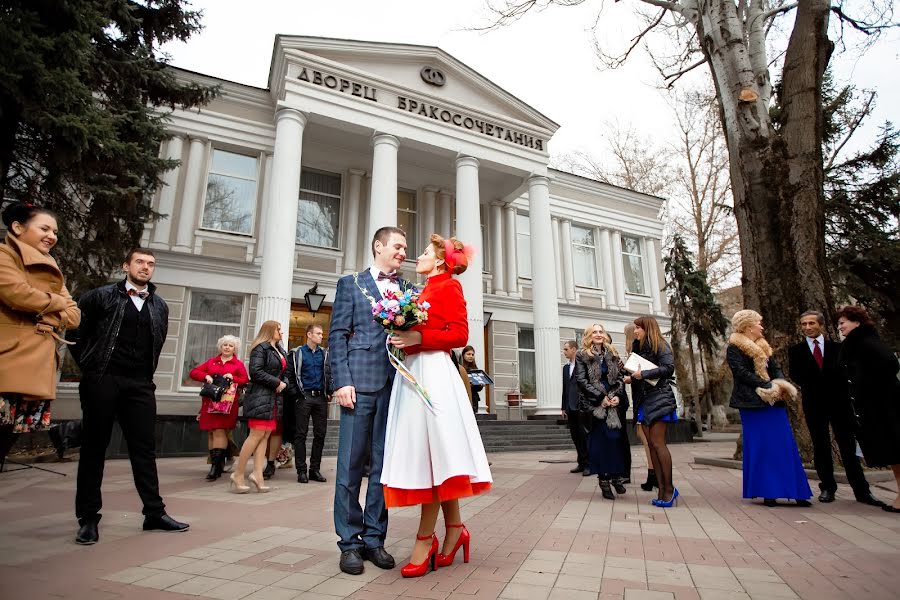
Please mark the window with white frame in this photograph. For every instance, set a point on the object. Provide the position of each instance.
(211, 316)
(319, 209)
(407, 220)
(633, 264)
(523, 245)
(584, 257)
(527, 369)
(230, 193)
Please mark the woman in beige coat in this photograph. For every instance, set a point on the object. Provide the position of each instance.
(35, 311)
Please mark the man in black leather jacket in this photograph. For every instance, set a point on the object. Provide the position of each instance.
(117, 346)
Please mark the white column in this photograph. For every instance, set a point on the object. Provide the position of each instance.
(568, 266)
(383, 200)
(277, 271)
(496, 238)
(261, 213)
(509, 239)
(351, 235)
(557, 257)
(429, 212)
(445, 221)
(607, 268)
(619, 269)
(544, 304)
(468, 229)
(192, 196)
(653, 263)
(163, 227)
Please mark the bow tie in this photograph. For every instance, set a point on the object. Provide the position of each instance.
(142, 295)
(392, 276)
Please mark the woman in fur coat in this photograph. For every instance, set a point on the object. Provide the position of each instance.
(772, 465)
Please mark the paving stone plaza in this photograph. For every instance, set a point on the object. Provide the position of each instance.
(542, 533)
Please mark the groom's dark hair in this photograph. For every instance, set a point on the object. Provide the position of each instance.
(383, 235)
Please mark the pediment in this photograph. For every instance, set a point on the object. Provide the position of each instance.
(401, 66)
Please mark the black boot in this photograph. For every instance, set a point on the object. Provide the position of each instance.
(607, 492)
(269, 470)
(217, 457)
(58, 440)
(7, 441)
(651, 481)
(619, 485)
(211, 476)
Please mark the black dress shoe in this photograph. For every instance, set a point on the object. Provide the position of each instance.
(269, 470)
(87, 534)
(870, 500)
(803, 503)
(352, 562)
(578, 469)
(316, 476)
(585, 473)
(770, 502)
(164, 523)
(302, 477)
(379, 557)
(889, 508)
(826, 496)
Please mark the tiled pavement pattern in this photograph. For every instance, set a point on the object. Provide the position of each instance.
(542, 533)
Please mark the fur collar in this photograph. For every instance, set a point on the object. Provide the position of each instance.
(759, 351)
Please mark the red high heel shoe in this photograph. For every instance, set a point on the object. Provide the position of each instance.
(420, 569)
(445, 560)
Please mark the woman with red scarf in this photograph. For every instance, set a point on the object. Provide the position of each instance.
(435, 457)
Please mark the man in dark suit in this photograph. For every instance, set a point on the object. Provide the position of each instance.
(813, 366)
(570, 396)
(363, 377)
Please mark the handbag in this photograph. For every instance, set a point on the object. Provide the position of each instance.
(224, 405)
(214, 390)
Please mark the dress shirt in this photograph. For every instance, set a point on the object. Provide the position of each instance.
(571, 368)
(385, 284)
(312, 371)
(809, 342)
(138, 301)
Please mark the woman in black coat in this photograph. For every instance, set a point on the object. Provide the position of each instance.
(655, 404)
(262, 403)
(599, 374)
(871, 370)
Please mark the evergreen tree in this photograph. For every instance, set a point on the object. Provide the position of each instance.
(695, 311)
(84, 98)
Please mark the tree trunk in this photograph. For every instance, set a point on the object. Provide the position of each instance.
(696, 398)
(777, 176)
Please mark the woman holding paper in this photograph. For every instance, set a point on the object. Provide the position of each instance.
(599, 373)
(652, 367)
(772, 467)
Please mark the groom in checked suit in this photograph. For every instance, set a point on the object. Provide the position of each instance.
(813, 366)
(363, 378)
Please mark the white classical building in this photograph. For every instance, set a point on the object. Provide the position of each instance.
(280, 189)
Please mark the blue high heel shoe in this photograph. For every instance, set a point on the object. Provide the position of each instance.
(663, 503)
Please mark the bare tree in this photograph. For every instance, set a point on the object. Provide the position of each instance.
(637, 162)
(703, 211)
(776, 169)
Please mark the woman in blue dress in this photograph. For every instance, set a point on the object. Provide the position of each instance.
(772, 465)
(599, 373)
(655, 403)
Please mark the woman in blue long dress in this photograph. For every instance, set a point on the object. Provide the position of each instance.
(772, 465)
(599, 373)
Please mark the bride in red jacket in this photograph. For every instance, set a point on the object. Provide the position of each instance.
(434, 458)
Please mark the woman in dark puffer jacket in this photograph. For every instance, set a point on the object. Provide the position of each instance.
(262, 403)
(657, 403)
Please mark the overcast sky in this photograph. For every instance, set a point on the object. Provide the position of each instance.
(546, 59)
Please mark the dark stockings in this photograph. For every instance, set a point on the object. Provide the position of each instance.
(7, 441)
(662, 459)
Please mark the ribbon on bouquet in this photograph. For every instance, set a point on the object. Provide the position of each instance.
(407, 375)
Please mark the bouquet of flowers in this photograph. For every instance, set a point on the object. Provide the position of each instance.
(399, 311)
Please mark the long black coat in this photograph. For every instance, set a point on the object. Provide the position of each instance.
(871, 370)
(266, 374)
(657, 400)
